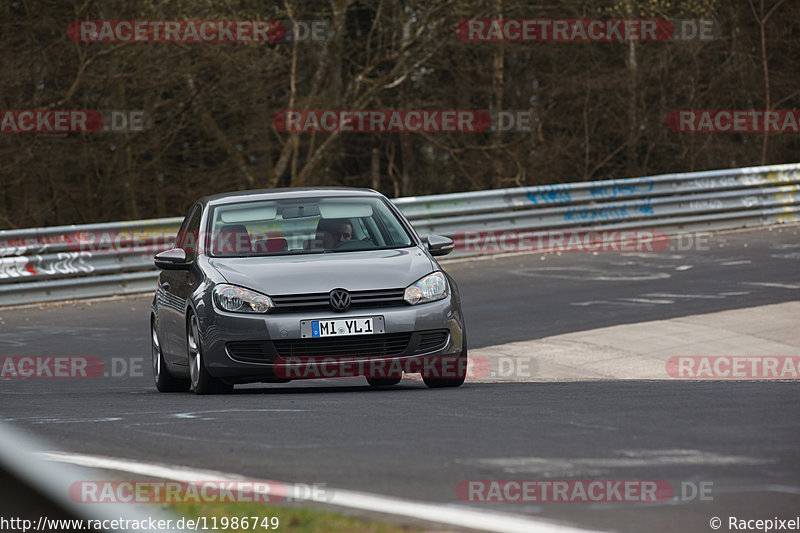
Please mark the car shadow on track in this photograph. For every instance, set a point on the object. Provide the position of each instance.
(325, 388)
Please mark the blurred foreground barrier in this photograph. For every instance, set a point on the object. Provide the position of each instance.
(56, 263)
(36, 494)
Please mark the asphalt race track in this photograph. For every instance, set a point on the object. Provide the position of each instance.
(417, 443)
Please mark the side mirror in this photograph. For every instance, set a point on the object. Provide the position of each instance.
(439, 245)
(173, 259)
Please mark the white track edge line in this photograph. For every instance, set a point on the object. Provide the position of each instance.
(441, 514)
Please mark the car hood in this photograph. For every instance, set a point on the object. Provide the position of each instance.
(315, 273)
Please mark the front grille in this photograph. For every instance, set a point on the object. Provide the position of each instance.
(382, 345)
(385, 345)
(359, 299)
(431, 340)
(251, 351)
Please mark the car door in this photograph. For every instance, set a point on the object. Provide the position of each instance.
(175, 287)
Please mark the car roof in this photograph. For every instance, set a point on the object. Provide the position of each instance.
(287, 193)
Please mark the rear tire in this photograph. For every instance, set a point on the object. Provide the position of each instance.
(165, 382)
(201, 381)
(437, 382)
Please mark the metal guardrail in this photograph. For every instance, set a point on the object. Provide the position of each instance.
(55, 263)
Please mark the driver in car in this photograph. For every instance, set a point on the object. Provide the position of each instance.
(333, 231)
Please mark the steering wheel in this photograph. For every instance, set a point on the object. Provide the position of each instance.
(364, 244)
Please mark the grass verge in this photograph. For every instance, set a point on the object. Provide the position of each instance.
(264, 518)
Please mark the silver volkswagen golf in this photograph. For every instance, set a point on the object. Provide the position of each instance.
(285, 284)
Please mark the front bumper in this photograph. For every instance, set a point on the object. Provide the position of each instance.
(249, 348)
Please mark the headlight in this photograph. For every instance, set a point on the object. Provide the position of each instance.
(429, 289)
(240, 300)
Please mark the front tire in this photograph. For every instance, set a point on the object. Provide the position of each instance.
(436, 381)
(165, 382)
(201, 381)
(383, 382)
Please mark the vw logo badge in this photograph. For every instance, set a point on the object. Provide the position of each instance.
(340, 300)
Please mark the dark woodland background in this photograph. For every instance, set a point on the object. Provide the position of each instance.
(599, 109)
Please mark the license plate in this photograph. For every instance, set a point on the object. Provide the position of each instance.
(340, 327)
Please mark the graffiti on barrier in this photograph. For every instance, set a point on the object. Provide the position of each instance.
(63, 263)
(618, 212)
(621, 189)
(549, 194)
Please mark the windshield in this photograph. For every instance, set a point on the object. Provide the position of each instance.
(307, 225)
